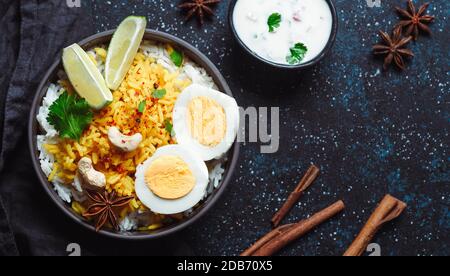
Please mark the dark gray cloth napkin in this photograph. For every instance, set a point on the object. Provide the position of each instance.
(10, 25)
(32, 34)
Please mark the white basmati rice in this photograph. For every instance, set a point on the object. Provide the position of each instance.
(129, 223)
(53, 93)
(77, 184)
(198, 75)
(64, 192)
(215, 176)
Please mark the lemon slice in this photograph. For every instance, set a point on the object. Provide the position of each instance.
(122, 49)
(85, 77)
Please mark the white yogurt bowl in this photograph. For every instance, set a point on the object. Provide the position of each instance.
(311, 24)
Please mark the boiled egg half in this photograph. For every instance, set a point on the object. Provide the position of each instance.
(205, 121)
(172, 181)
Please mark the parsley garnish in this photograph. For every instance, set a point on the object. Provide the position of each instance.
(274, 21)
(177, 58)
(159, 93)
(298, 53)
(169, 127)
(142, 105)
(70, 115)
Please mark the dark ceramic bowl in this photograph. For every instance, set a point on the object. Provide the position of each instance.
(34, 130)
(312, 62)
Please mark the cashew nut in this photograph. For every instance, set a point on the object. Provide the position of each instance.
(124, 142)
(91, 178)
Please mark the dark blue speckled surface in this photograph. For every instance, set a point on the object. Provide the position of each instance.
(371, 132)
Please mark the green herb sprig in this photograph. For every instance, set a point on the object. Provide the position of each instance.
(70, 115)
(297, 54)
(159, 93)
(177, 58)
(169, 127)
(142, 105)
(274, 22)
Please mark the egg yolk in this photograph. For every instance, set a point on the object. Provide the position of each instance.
(207, 121)
(169, 177)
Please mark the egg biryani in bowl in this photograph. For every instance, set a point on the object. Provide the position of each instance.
(135, 136)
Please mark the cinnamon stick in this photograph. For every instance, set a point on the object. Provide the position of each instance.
(389, 209)
(293, 198)
(282, 236)
(267, 238)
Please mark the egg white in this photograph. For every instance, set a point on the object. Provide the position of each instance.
(181, 128)
(169, 206)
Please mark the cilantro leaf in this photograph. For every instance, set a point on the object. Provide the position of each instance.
(159, 93)
(298, 53)
(169, 127)
(177, 58)
(274, 21)
(142, 105)
(70, 115)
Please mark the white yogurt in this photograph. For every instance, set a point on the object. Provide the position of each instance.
(302, 21)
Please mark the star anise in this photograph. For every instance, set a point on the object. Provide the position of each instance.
(104, 206)
(200, 8)
(394, 48)
(415, 20)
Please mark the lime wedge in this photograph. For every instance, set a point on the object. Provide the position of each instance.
(122, 49)
(85, 77)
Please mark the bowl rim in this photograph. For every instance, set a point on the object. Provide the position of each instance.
(33, 126)
(314, 61)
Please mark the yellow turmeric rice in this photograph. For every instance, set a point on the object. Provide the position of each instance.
(144, 76)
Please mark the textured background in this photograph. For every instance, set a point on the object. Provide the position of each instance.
(371, 132)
